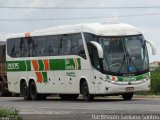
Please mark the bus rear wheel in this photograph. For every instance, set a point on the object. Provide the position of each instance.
(1, 89)
(33, 91)
(127, 96)
(25, 91)
(85, 92)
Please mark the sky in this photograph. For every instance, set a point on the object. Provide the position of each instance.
(13, 20)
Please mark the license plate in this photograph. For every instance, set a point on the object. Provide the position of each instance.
(129, 88)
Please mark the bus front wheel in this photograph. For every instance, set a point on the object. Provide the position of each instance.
(85, 92)
(127, 96)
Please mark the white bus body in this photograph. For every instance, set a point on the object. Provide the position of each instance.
(88, 59)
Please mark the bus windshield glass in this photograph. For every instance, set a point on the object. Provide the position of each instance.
(124, 54)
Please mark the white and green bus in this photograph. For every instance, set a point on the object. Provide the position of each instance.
(89, 59)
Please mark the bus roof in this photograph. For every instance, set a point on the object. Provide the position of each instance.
(101, 29)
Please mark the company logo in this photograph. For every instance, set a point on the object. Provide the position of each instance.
(71, 64)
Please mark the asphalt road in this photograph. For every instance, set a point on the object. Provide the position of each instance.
(99, 109)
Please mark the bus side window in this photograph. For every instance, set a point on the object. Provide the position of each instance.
(40, 46)
(65, 45)
(14, 50)
(77, 45)
(24, 47)
(52, 45)
(31, 47)
(10, 47)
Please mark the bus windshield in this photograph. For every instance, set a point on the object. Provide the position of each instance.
(124, 54)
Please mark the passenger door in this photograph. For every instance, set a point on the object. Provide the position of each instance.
(97, 75)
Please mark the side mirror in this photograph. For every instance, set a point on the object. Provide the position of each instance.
(99, 49)
(152, 47)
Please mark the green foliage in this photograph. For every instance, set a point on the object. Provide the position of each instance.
(155, 82)
(10, 114)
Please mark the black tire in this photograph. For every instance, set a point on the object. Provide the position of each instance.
(1, 89)
(127, 96)
(33, 91)
(85, 92)
(68, 96)
(25, 91)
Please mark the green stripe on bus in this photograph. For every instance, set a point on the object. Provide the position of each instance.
(28, 62)
(41, 65)
(57, 64)
(54, 64)
(133, 78)
(45, 78)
